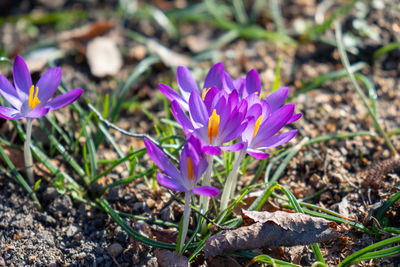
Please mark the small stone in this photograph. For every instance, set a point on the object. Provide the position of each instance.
(114, 250)
(138, 207)
(49, 194)
(46, 219)
(61, 205)
(150, 203)
(72, 230)
(2, 262)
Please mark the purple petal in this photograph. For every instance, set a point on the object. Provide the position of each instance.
(254, 110)
(276, 140)
(235, 132)
(64, 99)
(233, 100)
(181, 118)
(257, 154)
(240, 85)
(206, 191)
(10, 113)
(208, 100)
(169, 183)
(294, 118)
(186, 82)
(37, 112)
(48, 84)
(232, 148)
(227, 83)
(274, 123)
(160, 159)
(198, 111)
(277, 98)
(215, 76)
(212, 150)
(9, 92)
(22, 78)
(247, 134)
(171, 95)
(202, 164)
(253, 82)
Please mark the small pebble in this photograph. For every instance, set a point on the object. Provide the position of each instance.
(72, 230)
(114, 250)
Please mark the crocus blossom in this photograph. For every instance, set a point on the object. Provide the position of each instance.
(29, 100)
(192, 166)
(265, 119)
(216, 118)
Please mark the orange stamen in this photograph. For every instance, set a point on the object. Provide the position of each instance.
(257, 125)
(213, 124)
(205, 91)
(33, 99)
(190, 170)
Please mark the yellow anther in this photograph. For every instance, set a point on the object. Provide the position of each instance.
(190, 170)
(259, 94)
(205, 91)
(257, 125)
(33, 99)
(213, 124)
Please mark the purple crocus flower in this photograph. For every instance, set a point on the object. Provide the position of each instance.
(215, 118)
(192, 166)
(33, 101)
(266, 118)
(260, 133)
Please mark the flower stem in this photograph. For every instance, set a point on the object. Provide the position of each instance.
(204, 200)
(27, 151)
(186, 217)
(231, 181)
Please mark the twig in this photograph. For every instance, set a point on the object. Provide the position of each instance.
(130, 134)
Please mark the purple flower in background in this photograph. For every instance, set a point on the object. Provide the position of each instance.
(192, 166)
(33, 101)
(215, 118)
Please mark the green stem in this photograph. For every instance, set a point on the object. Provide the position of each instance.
(186, 217)
(27, 151)
(231, 181)
(204, 200)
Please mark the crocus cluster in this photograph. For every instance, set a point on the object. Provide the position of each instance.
(32, 101)
(222, 115)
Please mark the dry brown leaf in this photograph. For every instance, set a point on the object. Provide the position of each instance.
(271, 229)
(166, 258)
(166, 235)
(87, 32)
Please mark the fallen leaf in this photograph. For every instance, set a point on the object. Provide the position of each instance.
(166, 258)
(87, 32)
(271, 229)
(104, 57)
(166, 235)
(16, 156)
